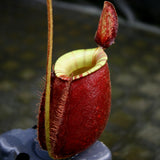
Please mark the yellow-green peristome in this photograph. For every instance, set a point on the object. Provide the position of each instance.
(80, 63)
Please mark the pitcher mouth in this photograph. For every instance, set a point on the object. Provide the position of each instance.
(80, 63)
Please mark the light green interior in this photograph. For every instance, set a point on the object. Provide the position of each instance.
(79, 63)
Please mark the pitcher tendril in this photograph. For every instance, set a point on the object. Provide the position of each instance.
(48, 72)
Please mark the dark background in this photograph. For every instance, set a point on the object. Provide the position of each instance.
(145, 10)
(132, 132)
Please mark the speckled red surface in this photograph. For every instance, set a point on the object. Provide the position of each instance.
(107, 26)
(78, 113)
